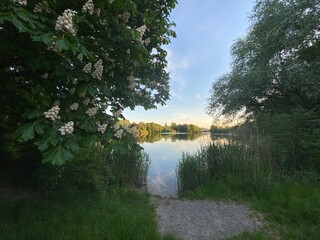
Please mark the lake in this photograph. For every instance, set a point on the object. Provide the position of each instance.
(165, 150)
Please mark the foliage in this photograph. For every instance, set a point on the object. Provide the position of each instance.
(150, 128)
(96, 169)
(233, 163)
(276, 65)
(126, 214)
(274, 80)
(70, 67)
(289, 200)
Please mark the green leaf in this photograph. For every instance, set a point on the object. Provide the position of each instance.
(57, 156)
(73, 146)
(18, 24)
(62, 44)
(39, 128)
(31, 113)
(43, 145)
(26, 132)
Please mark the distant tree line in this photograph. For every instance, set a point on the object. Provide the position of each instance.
(151, 128)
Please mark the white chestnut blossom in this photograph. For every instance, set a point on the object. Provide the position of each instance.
(109, 1)
(52, 113)
(67, 128)
(74, 106)
(133, 130)
(103, 22)
(147, 41)
(80, 57)
(118, 134)
(97, 11)
(142, 30)
(118, 112)
(128, 51)
(45, 76)
(65, 22)
(72, 91)
(20, 2)
(86, 101)
(102, 127)
(87, 68)
(97, 74)
(124, 17)
(88, 7)
(132, 84)
(41, 7)
(92, 111)
(116, 126)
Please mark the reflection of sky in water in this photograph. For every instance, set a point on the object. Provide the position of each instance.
(165, 155)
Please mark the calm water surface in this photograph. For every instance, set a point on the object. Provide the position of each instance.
(165, 152)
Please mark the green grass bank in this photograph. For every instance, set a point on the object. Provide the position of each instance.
(289, 201)
(123, 214)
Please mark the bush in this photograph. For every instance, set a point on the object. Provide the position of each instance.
(96, 169)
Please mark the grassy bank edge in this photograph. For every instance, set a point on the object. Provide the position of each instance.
(290, 208)
(123, 214)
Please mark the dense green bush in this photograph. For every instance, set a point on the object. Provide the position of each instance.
(96, 169)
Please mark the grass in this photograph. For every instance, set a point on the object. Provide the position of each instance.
(289, 203)
(125, 215)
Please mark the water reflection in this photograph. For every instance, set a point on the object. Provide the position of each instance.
(173, 137)
(165, 151)
(222, 139)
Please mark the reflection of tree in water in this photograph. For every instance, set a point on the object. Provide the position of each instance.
(222, 139)
(192, 136)
(151, 138)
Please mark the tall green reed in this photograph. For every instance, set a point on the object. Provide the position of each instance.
(233, 162)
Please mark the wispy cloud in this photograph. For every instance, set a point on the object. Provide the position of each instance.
(176, 95)
(198, 96)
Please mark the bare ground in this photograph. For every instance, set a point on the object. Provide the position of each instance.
(203, 219)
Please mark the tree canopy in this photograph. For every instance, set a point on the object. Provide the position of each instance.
(69, 68)
(276, 65)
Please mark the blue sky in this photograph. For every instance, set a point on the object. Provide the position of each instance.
(205, 30)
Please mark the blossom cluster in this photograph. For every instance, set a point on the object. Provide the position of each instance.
(133, 130)
(88, 7)
(86, 101)
(131, 81)
(87, 68)
(92, 111)
(74, 106)
(45, 75)
(41, 7)
(67, 128)
(72, 91)
(147, 41)
(102, 127)
(65, 22)
(21, 2)
(118, 112)
(97, 74)
(142, 30)
(80, 57)
(52, 113)
(124, 17)
(118, 133)
(116, 126)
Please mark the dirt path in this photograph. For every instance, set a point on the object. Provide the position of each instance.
(203, 219)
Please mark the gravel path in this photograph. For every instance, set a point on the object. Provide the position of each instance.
(203, 219)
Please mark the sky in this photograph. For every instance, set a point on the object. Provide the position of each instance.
(200, 54)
